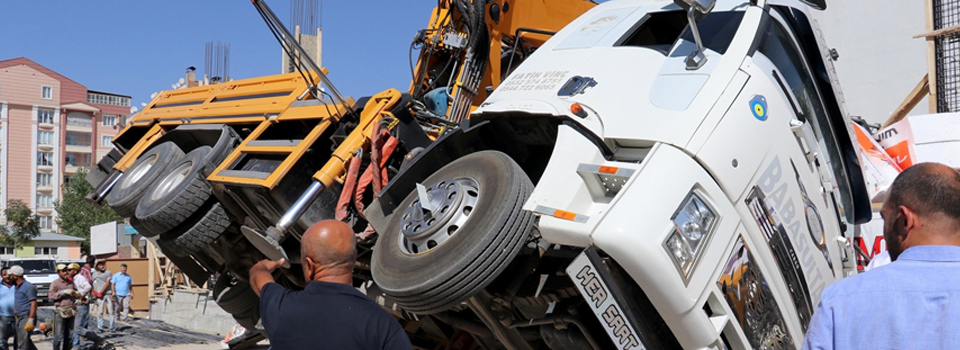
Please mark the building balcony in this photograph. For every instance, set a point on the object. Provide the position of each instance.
(44, 168)
(45, 188)
(45, 126)
(77, 127)
(45, 211)
(79, 148)
(71, 169)
(44, 147)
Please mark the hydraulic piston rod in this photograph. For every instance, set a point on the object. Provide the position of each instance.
(268, 241)
(299, 206)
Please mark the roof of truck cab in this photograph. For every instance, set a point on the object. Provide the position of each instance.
(640, 93)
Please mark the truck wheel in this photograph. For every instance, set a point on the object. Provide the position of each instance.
(237, 299)
(204, 232)
(126, 193)
(430, 261)
(176, 195)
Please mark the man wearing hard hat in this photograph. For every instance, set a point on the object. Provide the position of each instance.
(65, 296)
(83, 308)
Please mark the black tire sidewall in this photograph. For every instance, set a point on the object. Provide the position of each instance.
(237, 299)
(157, 215)
(501, 183)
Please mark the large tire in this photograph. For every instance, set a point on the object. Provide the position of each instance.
(125, 195)
(484, 240)
(175, 196)
(204, 232)
(237, 299)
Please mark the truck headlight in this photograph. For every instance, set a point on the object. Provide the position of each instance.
(693, 223)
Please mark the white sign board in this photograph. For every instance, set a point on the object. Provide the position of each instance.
(103, 239)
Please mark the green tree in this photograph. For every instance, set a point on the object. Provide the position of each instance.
(22, 225)
(75, 215)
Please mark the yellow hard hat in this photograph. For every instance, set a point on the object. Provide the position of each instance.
(61, 267)
(73, 266)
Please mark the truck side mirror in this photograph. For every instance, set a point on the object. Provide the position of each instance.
(696, 9)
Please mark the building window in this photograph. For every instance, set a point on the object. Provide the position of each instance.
(45, 201)
(45, 116)
(45, 137)
(76, 138)
(46, 92)
(113, 100)
(45, 158)
(7, 251)
(109, 120)
(77, 159)
(79, 120)
(105, 140)
(45, 250)
(44, 180)
(46, 223)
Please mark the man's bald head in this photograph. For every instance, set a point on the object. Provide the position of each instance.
(927, 188)
(923, 208)
(329, 243)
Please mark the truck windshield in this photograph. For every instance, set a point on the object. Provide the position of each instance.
(33, 266)
(716, 30)
(662, 31)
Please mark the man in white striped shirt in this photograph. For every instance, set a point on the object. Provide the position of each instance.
(82, 283)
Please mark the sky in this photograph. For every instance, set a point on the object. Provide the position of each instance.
(140, 47)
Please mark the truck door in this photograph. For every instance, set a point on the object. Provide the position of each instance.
(815, 192)
(824, 175)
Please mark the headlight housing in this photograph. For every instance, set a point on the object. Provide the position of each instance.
(694, 223)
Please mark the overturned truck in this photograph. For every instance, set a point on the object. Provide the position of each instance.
(656, 175)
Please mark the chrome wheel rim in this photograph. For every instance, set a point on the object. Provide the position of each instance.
(139, 171)
(172, 180)
(451, 202)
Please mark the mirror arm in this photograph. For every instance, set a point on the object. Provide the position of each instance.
(696, 59)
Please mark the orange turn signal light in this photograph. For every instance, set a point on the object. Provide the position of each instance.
(608, 170)
(563, 214)
(576, 108)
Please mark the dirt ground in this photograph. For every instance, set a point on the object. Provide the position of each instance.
(138, 334)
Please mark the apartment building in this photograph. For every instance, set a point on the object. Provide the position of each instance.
(50, 127)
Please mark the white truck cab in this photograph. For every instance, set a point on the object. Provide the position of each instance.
(692, 177)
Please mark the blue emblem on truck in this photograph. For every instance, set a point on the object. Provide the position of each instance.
(758, 105)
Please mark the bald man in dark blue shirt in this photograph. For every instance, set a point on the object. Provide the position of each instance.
(329, 313)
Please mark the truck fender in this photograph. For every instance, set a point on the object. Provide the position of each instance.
(527, 138)
(444, 150)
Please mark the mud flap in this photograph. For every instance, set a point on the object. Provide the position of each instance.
(605, 298)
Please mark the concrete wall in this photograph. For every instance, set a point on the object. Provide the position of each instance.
(184, 310)
(880, 62)
(26, 251)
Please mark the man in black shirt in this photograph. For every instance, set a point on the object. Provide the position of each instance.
(329, 313)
